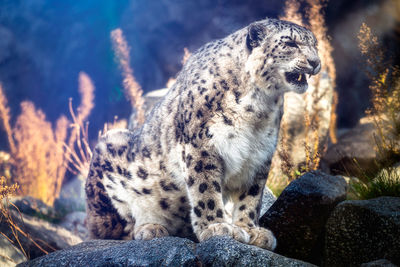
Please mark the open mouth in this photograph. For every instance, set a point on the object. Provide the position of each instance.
(296, 78)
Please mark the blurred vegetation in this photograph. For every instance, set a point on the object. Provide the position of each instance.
(40, 153)
(385, 112)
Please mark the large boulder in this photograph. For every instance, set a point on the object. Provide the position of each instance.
(298, 216)
(166, 251)
(47, 235)
(356, 144)
(72, 196)
(33, 207)
(360, 231)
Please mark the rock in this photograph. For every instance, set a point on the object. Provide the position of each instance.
(72, 196)
(267, 200)
(166, 251)
(378, 263)
(33, 207)
(150, 99)
(75, 223)
(49, 236)
(360, 231)
(357, 143)
(224, 251)
(9, 255)
(298, 216)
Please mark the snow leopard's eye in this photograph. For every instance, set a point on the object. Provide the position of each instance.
(291, 44)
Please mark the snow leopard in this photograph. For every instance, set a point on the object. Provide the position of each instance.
(207, 142)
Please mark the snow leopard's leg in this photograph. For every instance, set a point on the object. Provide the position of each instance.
(247, 205)
(209, 219)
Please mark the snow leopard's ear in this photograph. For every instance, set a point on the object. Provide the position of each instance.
(255, 34)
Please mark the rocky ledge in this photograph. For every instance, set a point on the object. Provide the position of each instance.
(166, 251)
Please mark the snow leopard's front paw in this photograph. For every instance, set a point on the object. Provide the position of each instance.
(224, 229)
(261, 237)
(150, 231)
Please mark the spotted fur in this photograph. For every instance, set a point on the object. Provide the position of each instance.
(210, 140)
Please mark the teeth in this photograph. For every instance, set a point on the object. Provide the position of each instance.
(299, 79)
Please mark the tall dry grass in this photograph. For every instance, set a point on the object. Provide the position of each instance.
(39, 152)
(38, 159)
(77, 151)
(132, 88)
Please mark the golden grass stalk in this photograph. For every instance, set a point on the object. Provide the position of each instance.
(5, 118)
(186, 55)
(78, 152)
(318, 27)
(132, 89)
(325, 49)
(116, 124)
(86, 90)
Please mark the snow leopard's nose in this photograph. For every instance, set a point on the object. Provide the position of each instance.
(315, 64)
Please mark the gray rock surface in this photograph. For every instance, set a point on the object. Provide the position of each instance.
(223, 251)
(378, 263)
(9, 255)
(33, 207)
(357, 143)
(167, 251)
(268, 199)
(72, 196)
(361, 231)
(298, 216)
(75, 222)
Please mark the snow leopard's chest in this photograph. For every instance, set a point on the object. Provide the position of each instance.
(245, 149)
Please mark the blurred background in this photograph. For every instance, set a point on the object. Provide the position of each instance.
(44, 44)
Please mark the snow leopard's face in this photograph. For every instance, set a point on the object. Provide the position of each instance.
(282, 53)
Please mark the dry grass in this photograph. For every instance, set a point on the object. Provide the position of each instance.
(116, 124)
(38, 159)
(132, 88)
(39, 153)
(5, 119)
(385, 88)
(385, 111)
(5, 215)
(77, 151)
(291, 12)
